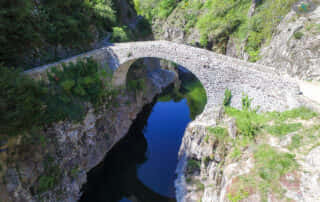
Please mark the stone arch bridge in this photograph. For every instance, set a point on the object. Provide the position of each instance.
(216, 73)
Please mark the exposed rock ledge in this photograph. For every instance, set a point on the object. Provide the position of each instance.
(77, 148)
(216, 173)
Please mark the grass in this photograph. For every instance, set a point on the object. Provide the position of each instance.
(248, 122)
(282, 129)
(296, 142)
(219, 132)
(272, 164)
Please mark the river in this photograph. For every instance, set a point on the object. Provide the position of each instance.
(142, 166)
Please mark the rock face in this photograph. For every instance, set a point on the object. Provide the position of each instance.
(297, 56)
(210, 167)
(295, 48)
(56, 170)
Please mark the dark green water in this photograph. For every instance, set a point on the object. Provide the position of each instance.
(141, 167)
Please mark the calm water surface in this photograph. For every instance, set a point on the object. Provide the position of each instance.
(141, 167)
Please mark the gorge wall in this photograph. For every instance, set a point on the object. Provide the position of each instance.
(56, 169)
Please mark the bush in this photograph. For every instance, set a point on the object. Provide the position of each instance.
(166, 7)
(29, 26)
(298, 35)
(21, 102)
(193, 165)
(227, 97)
(246, 102)
(27, 104)
(119, 35)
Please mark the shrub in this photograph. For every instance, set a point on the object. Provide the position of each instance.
(298, 35)
(119, 35)
(166, 7)
(27, 26)
(21, 103)
(248, 121)
(227, 97)
(246, 102)
(193, 165)
(26, 104)
(50, 178)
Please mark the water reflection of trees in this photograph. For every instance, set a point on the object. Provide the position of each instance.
(190, 89)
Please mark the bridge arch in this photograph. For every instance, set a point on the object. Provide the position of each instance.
(216, 72)
(127, 55)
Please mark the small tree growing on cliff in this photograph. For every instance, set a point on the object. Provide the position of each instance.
(227, 97)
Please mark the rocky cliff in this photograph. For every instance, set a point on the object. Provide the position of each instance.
(295, 47)
(54, 169)
(276, 161)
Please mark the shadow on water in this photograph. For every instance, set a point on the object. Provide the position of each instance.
(141, 167)
(117, 177)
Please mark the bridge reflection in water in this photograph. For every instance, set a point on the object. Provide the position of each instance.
(116, 178)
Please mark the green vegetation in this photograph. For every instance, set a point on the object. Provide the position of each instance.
(199, 185)
(154, 9)
(119, 34)
(270, 164)
(193, 91)
(238, 196)
(248, 122)
(27, 104)
(282, 129)
(298, 35)
(196, 96)
(193, 165)
(227, 97)
(20, 103)
(50, 178)
(41, 27)
(219, 132)
(220, 20)
(296, 142)
(136, 85)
